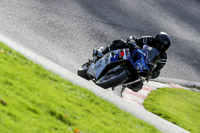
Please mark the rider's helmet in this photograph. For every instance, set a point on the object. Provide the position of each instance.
(163, 41)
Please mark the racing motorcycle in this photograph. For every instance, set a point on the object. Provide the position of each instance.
(121, 67)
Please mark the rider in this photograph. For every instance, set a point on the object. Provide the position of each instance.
(161, 42)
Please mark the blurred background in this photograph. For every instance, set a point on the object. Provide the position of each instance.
(66, 31)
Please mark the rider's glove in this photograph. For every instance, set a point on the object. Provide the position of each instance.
(131, 42)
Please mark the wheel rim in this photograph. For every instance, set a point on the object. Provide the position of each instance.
(110, 76)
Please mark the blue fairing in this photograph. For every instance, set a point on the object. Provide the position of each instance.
(139, 58)
(114, 58)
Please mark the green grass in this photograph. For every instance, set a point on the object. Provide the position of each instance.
(40, 101)
(181, 107)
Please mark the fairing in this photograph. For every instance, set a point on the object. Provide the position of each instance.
(139, 58)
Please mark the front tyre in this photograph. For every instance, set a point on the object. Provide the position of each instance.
(113, 79)
(82, 72)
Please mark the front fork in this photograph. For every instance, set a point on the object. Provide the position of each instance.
(97, 54)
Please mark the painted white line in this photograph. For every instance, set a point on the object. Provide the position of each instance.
(181, 82)
(156, 85)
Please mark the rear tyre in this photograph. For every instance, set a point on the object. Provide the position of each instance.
(112, 79)
(136, 86)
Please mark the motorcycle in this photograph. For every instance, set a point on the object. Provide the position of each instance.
(121, 67)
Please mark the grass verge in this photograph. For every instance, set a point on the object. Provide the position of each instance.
(33, 99)
(181, 107)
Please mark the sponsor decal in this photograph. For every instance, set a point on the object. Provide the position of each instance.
(122, 54)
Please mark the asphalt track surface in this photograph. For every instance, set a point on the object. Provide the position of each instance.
(66, 31)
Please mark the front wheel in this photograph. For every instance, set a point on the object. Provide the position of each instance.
(82, 72)
(113, 79)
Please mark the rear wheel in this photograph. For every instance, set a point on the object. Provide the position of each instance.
(136, 86)
(114, 77)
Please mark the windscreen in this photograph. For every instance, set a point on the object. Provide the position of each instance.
(150, 53)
